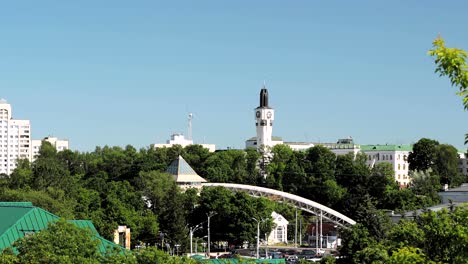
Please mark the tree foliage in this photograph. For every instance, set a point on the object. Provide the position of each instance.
(451, 62)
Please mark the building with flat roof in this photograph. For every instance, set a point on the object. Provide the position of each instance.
(458, 194)
(179, 139)
(462, 162)
(16, 142)
(15, 139)
(59, 144)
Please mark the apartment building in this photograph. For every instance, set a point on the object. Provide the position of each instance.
(59, 144)
(16, 142)
(15, 139)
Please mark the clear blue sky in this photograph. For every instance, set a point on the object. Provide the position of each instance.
(129, 72)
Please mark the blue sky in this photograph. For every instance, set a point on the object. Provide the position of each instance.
(129, 72)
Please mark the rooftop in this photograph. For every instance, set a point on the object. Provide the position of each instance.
(386, 148)
(21, 218)
(182, 171)
(274, 138)
(462, 188)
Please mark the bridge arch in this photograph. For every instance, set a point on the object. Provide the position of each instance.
(297, 201)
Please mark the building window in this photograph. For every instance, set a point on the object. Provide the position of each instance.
(390, 157)
(279, 233)
(398, 166)
(404, 166)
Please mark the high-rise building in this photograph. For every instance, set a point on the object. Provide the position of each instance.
(16, 142)
(15, 139)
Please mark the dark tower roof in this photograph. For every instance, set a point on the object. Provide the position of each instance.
(264, 97)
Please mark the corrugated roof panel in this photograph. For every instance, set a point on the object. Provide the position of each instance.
(11, 215)
(18, 219)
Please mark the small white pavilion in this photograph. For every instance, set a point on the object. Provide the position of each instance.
(280, 231)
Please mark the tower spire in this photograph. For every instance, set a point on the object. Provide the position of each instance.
(264, 97)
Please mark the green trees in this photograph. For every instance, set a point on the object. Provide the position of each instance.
(441, 159)
(451, 62)
(61, 242)
(423, 155)
(233, 212)
(433, 237)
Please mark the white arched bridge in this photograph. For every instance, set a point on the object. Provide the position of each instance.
(297, 201)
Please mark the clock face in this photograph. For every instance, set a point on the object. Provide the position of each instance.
(258, 114)
(269, 114)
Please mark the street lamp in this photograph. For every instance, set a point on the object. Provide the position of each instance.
(258, 235)
(192, 230)
(209, 215)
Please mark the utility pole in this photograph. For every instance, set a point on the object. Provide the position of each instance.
(295, 232)
(316, 234)
(300, 232)
(209, 215)
(321, 228)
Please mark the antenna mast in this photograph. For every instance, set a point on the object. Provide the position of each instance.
(190, 117)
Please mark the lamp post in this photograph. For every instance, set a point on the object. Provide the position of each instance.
(192, 230)
(209, 215)
(258, 235)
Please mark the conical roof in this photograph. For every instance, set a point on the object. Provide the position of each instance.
(182, 172)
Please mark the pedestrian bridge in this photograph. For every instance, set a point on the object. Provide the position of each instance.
(297, 201)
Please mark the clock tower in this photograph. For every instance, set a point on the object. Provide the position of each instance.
(264, 116)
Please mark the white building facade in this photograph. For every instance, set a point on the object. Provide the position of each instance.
(179, 139)
(462, 162)
(59, 144)
(15, 139)
(16, 142)
(279, 234)
(397, 155)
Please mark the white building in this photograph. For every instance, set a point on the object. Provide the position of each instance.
(16, 142)
(397, 155)
(59, 144)
(279, 234)
(179, 139)
(15, 139)
(462, 162)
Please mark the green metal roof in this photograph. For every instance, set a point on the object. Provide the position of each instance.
(365, 148)
(105, 244)
(20, 218)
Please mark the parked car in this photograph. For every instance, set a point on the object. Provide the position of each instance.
(308, 254)
(291, 259)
